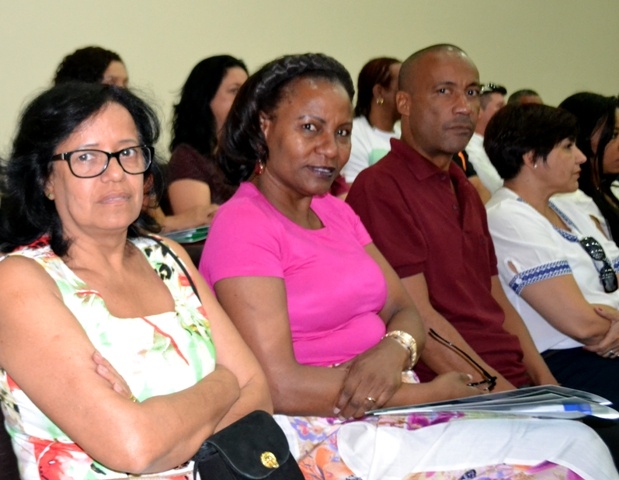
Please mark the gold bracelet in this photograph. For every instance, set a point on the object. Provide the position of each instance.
(407, 341)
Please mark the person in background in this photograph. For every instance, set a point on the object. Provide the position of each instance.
(323, 311)
(195, 179)
(376, 116)
(88, 297)
(491, 99)
(598, 139)
(93, 65)
(556, 266)
(525, 95)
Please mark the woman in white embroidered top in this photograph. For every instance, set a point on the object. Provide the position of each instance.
(556, 266)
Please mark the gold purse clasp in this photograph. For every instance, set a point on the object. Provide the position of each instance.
(269, 460)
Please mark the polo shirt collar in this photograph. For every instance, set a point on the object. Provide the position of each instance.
(419, 166)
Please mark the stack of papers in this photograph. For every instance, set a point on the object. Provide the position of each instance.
(546, 401)
(190, 235)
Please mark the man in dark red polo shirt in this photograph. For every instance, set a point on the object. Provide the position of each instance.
(428, 221)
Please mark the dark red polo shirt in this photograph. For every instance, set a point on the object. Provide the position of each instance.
(422, 226)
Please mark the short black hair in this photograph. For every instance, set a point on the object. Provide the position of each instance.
(48, 120)
(519, 129)
(242, 142)
(86, 64)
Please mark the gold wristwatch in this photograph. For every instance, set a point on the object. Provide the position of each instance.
(407, 341)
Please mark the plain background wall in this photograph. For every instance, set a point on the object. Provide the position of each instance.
(554, 46)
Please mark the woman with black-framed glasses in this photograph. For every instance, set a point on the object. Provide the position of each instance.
(116, 360)
(556, 264)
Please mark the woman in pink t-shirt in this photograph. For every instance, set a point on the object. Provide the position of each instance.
(323, 311)
(296, 269)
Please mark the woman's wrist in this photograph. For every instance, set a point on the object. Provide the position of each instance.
(407, 341)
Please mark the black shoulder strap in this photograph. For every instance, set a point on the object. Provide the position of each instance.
(168, 251)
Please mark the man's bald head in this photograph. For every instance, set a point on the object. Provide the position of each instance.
(410, 65)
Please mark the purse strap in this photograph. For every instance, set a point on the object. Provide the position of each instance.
(168, 251)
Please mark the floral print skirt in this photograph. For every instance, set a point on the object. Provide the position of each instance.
(314, 441)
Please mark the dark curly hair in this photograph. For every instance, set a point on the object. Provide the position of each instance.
(374, 72)
(596, 113)
(48, 120)
(85, 65)
(193, 122)
(517, 129)
(242, 143)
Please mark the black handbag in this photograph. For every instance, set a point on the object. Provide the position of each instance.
(254, 447)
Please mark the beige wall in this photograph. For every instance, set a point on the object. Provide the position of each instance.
(554, 46)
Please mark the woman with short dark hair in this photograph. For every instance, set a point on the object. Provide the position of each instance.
(558, 269)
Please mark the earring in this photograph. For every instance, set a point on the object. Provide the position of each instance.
(50, 195)
(259, 170)
(380, 101)
(535, 165)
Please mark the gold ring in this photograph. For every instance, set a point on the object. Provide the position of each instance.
(371, 399)
(133, 398)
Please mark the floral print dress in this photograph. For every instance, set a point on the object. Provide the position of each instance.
(156, 355)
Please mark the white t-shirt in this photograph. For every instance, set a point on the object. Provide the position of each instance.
(369, 145)
(479, 159)
(538, 251)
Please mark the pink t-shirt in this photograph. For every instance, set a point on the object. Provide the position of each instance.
(334, 288)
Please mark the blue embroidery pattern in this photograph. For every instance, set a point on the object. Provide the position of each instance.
(563, 216)
(542, 272)
(554, 269)
(570, 237)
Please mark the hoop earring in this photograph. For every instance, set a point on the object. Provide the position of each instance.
(380, 101)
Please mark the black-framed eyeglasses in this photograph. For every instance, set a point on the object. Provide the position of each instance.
(89, 163)
(489, 380)
(608, 276)
(492, 88)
